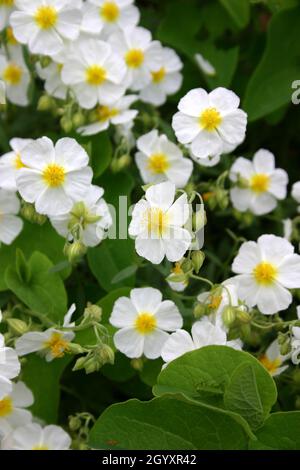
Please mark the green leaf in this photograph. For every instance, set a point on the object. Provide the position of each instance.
(225, 62)
(165, 423)
(242, 396)
(150, 371)
(239, 10)
(281, 431)
(108, 259)
(43, 380)
(101, 153)
(207, 374)
(33, 237)
(44, 292)
(120, 371)
(124, 274)
(269, 88)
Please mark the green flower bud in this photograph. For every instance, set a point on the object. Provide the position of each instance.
(243, 316)
(80, 363)
(199, 220)
(45, 61)
(75, 348)
(91, 365)
(229, 316)
(66, 124)
(222, 198)
(74, 423)
(285, 348)
(45, 103)
(74, 251)
(78, 119)
(198, 258)
(93, 312)
(137, 364)
(121, 163)
(200, 310)
(105, 355)
(186, 265)
(281, 338)
(17, 327)
(29, 213)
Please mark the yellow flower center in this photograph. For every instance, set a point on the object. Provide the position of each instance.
(159, 75)
(18, 162)
(104, 113)
(6, 407)
(46, 17)
(13, 74)
(157, 221)
(10, 38)
(6, 3)
(57, 345)
(265, 273)
(271, 366)
(158, 163)
(210, 119)
(177, 269)
(260, 183)
(95, 75)
(54, 175)
(214, 301)
(40, 447)
(110, 12)
(134, 58)
(145, 323)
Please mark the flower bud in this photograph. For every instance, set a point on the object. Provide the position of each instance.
(93, 312)
(78, 119)
(121, 163)
(137, 364)
(243, 316)
(200, 310)
(228, 316)
(17, 327)
(75, 348)
(29, 213)
(66, 124)
(105, 355)
(45, 103)
(80, 363)
(198, 258)
(45, 61)
(199, 220)
(74, 251)
(74, 423)
(186, 265)
(285, 348)
(222, 198)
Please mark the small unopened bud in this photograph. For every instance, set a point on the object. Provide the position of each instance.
(199, 220)
(137, 364)
(45, 61)
(74, 251)
(200, 310)
(74, 423)
(78, 119)
(121, 163)
(75, 348)
(243, 316)
(45, 103)
(186, 265)
(91, 366)
(198, 258)
(66, 124)
(105, 355)
(281, 338)
(285, 348)
(17, 327)
(93, 312)
(80, 363)
(222, 198)
(29, 213)
(229, 316)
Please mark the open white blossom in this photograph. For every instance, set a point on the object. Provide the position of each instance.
(144, 320)
(258, 184)
(9, 368)
(34, 437)
(272, 360)
(210, 122)
(95, 73)
(11, 162)
(6, 8)
(158, 159)
(10, 224)
(177, 286)
(13, 412)
(92, 214)
(16, 77)
(54, 177)
(54, 85)
(296, 193)
(165, 80)
(265, 270)
(44, 25)
(157, 224)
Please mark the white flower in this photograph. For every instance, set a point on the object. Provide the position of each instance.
(6, 8)
(140, 54)
(217, 299)
(177, 286)
(117, 114)
(144, 320)
(95, 73)
(51, 343)
(106, 16)
(13, 411)
(210, 122)
(204, 65)
(157, 223)
(44, 24)
(266, 270)
(258, 184)
(11, 162)
(272, 359)
(54, 177)
(10, 224)
(15, 74)
(92, 214)
(9, 368)
(287, 228)
(54, 85)
(34, 437)
(204, 333)
(296, 193)
(165, 80)
(159, 160)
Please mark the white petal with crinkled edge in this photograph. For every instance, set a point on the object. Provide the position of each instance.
(129, 342)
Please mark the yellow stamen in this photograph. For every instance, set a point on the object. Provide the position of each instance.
(13, 74)
(271, 366)
(104, 113)
(110, 12)
(46, 17)
(145, 323)
(18, 162)
(134, 58)
(158, 163)
(6, 3)
(54, 175)
(57, 345)
(214, 301)
(95, 75)
(265, 273)
(210, 119)
(159, 75)
(40, 447)
(260, 183)
(6, 407)
(177, 269)
(10, 38)
(157, 221)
